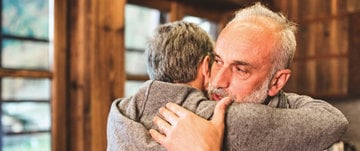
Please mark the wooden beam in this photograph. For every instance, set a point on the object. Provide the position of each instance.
(222, 5)
(137, 77)
(162, 5)
(219, 5)
(25, 73)
(79, 32)
(354, 55)
(203, 11)
(60, 92)
(88, 71)
(176, 11)
(107, 63)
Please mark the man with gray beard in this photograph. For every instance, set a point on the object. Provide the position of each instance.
(252, 57)
(178, 57)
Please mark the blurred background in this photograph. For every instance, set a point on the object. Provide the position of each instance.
(62, 62)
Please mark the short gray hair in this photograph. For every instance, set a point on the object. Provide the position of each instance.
(286, 44)
(175, 51)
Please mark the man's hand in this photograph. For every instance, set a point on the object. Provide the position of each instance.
(185, 130)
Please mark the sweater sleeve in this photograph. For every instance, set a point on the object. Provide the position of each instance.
(310, 125)
(124, 133)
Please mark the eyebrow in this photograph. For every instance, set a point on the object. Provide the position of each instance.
(236, 62)
(241, 63)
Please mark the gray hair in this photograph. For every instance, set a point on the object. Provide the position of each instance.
(176, 50)
(286, 44)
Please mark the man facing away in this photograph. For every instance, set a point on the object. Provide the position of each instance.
(175, 44)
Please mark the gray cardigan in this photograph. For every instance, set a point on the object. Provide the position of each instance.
(288, 122)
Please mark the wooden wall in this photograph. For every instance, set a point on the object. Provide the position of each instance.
(322, 64)
(354, 54)
(88, 71)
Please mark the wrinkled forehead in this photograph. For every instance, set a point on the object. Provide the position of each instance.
(247, 35)
(246, 40)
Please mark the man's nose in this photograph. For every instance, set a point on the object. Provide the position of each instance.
(222, 78)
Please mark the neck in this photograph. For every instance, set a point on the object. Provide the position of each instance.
(195, 83)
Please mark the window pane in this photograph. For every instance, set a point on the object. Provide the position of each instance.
(25, 89)
(28, 18)
(25, 117)
(136, 34)
(209, 26)
(132, 87)
(25, 54)
(33, 142)
(135, 63)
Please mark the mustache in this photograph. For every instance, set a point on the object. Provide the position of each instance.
(219, 92)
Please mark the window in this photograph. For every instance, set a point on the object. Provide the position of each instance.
(25, 75)
(209, 26)
(140, 23)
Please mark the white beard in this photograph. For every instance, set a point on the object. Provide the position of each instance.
(256, 96)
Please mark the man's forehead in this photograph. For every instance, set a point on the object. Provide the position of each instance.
(232, 61)
(246, 42)
(251, 57)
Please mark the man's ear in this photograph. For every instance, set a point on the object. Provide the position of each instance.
(278, 81)
(205, 68)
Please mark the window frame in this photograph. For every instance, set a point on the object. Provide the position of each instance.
(21, 73)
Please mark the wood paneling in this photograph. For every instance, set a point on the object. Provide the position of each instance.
(215, 5)
(354, 54)
(176, 11)
(89, 68)
(107, 81)
(162, 5)
(321, 63)
(216, 11)
(60, 92)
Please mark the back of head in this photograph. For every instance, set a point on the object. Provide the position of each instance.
(285, 32)
(175, 51)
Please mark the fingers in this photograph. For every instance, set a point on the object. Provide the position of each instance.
(219, 111)
(168, 115)
(178, 110)
(158, 137)
(161, 124)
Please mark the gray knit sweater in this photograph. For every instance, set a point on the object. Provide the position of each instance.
(288, 122)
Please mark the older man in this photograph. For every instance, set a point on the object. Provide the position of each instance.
(177, 54)
(252, 58)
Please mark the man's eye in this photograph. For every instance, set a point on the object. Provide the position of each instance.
(217, 61)
(239, 69)
(241, 72)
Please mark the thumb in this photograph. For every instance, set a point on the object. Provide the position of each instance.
(219, 111)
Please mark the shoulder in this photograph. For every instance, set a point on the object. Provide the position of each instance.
(296, 100)
(170, 91)
(165, 86)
